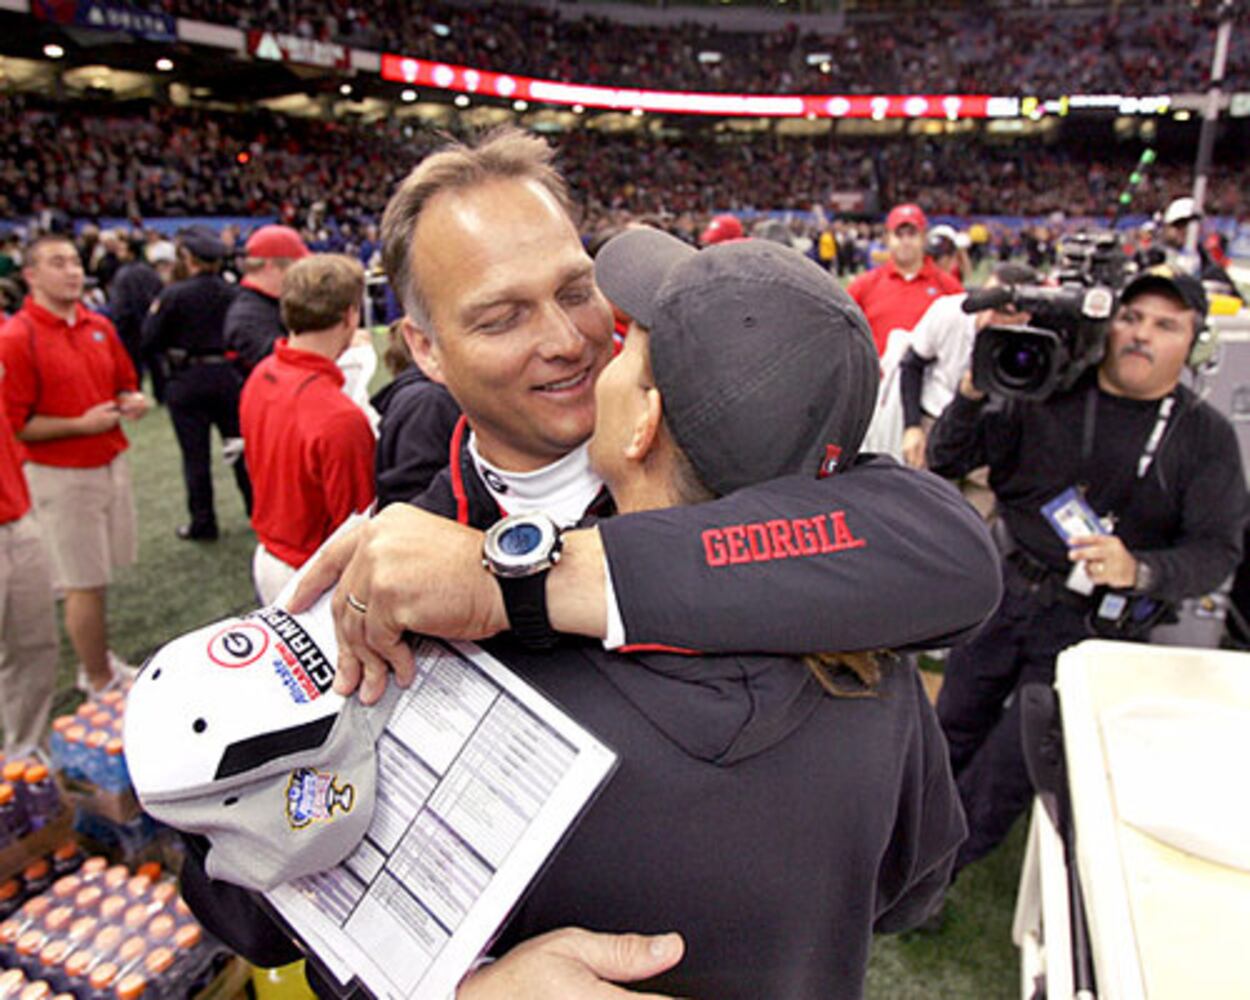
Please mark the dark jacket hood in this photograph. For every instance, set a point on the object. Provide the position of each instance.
(721, 709)
(384, 396)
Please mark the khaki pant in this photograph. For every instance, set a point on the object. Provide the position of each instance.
(28, 640)
(87, 517)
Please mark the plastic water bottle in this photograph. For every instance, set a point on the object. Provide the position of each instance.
(87, 900)
(56, 739)
(94, 756)
(112, 907)
(51, 960)
(116, 877)
(75, 751)
(12, 982)
(114, 776)
(12, 774)
(11, 897)
(13, 822)
(38, 990)
(100, 982)
(26, 951)
(67, 858)
(93, 869)
(38, 877)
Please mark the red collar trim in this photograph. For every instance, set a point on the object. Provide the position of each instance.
(457, 474)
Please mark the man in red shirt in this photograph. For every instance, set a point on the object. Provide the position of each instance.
(28, 643)
(309, 448)
(68, 383)
(896, 294)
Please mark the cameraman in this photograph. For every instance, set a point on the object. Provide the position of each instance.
(1160, 468)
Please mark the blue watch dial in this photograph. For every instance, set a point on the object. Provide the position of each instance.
(520, 539)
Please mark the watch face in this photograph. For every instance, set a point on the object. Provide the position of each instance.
(520, 539)
(521, 545)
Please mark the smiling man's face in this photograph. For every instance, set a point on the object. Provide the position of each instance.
(520, 331)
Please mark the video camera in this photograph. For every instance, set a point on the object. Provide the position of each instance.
(1066, 331)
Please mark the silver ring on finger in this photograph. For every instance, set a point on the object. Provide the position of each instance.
(356, 604)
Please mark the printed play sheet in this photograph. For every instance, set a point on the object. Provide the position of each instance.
(479, 778)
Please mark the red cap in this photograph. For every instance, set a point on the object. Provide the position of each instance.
(276, 241)
(906, 215)
(720, 230)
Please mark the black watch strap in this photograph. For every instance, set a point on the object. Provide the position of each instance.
(525, 598)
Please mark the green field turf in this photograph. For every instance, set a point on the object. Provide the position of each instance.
(177, 586)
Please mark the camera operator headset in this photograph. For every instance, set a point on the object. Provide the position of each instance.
(1118, 491)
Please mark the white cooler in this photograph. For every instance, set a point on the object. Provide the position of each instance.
(1158, 750)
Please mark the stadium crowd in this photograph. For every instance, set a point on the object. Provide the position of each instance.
(91, 161)
(1146, 49)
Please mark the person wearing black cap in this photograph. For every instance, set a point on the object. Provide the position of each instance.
(1161, 471)
(186, 323)
(776, 811)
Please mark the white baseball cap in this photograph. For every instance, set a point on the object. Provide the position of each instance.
(233, 732)
(1181, 210)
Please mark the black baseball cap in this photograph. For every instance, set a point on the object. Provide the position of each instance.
(1177, 284)
(766, 366)
(202, 242)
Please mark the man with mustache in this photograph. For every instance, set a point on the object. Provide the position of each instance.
(1160, 469)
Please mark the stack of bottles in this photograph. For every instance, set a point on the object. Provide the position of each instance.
(30, 798)
(38, 876)
(87, 746)
(106, 933)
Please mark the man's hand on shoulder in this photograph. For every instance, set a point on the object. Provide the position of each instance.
(574, 964)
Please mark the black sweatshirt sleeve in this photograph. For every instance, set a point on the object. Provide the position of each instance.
(910, 383)
(878, 556)
(929, 826)
(958, 442)
(1213, 505)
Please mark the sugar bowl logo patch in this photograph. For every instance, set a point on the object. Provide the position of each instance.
(312, 796)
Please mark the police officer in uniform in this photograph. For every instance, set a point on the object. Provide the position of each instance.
(185, 325)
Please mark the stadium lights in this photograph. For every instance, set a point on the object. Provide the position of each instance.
(520, 105)
(345, 89)
(442, 30)
(164, 65)
(53, 51)
(637, 112)
(411, 71)
(1182, 116)
(578, 109)
(408, 96)
(461, 101)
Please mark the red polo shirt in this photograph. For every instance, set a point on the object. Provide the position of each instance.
(57, 369)
(309, 451)
(14, 496)
(891, 301)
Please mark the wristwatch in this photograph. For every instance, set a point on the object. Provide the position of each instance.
(1144, 577)
(520, 550)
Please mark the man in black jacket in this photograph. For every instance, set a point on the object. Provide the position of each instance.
(1162, 471)
(186, 325)
(254, 323)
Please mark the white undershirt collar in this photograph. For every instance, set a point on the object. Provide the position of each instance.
(563, 489)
